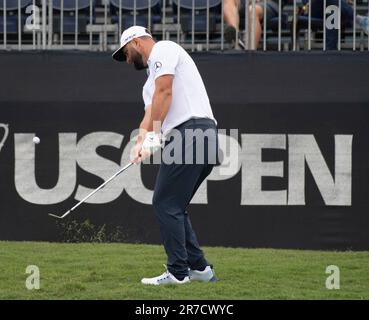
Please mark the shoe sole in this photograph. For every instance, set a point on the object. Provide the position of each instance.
(213, 279)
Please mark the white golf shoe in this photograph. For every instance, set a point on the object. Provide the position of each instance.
(165, 278)
(207, 275)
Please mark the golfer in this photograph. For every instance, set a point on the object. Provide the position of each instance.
(175, 98)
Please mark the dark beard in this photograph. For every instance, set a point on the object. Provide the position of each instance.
(138, 62)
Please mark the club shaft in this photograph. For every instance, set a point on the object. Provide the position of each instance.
(97, 189)
(101, 186)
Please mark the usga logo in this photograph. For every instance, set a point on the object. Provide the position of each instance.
(5, 135)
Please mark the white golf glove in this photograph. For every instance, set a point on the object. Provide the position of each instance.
(152, 142)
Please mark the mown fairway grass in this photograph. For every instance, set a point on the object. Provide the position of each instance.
(113, 271)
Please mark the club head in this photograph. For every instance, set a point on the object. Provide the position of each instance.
(55, 216)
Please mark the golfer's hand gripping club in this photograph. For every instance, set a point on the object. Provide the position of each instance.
(152, 142)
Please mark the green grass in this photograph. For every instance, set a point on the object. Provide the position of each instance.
(113, 271)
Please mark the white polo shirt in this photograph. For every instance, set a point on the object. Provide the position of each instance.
(189, 97)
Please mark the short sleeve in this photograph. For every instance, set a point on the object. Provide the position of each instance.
(165, 59)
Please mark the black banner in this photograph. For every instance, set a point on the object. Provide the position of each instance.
(293, 133)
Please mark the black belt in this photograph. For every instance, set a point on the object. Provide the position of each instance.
(197, 121)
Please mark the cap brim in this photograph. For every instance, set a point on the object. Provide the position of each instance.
(118, 55)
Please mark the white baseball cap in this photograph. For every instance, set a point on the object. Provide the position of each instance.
(127, 35)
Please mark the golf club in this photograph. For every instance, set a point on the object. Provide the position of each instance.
(92, 193)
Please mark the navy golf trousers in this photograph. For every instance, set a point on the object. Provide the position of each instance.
(175, 185)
